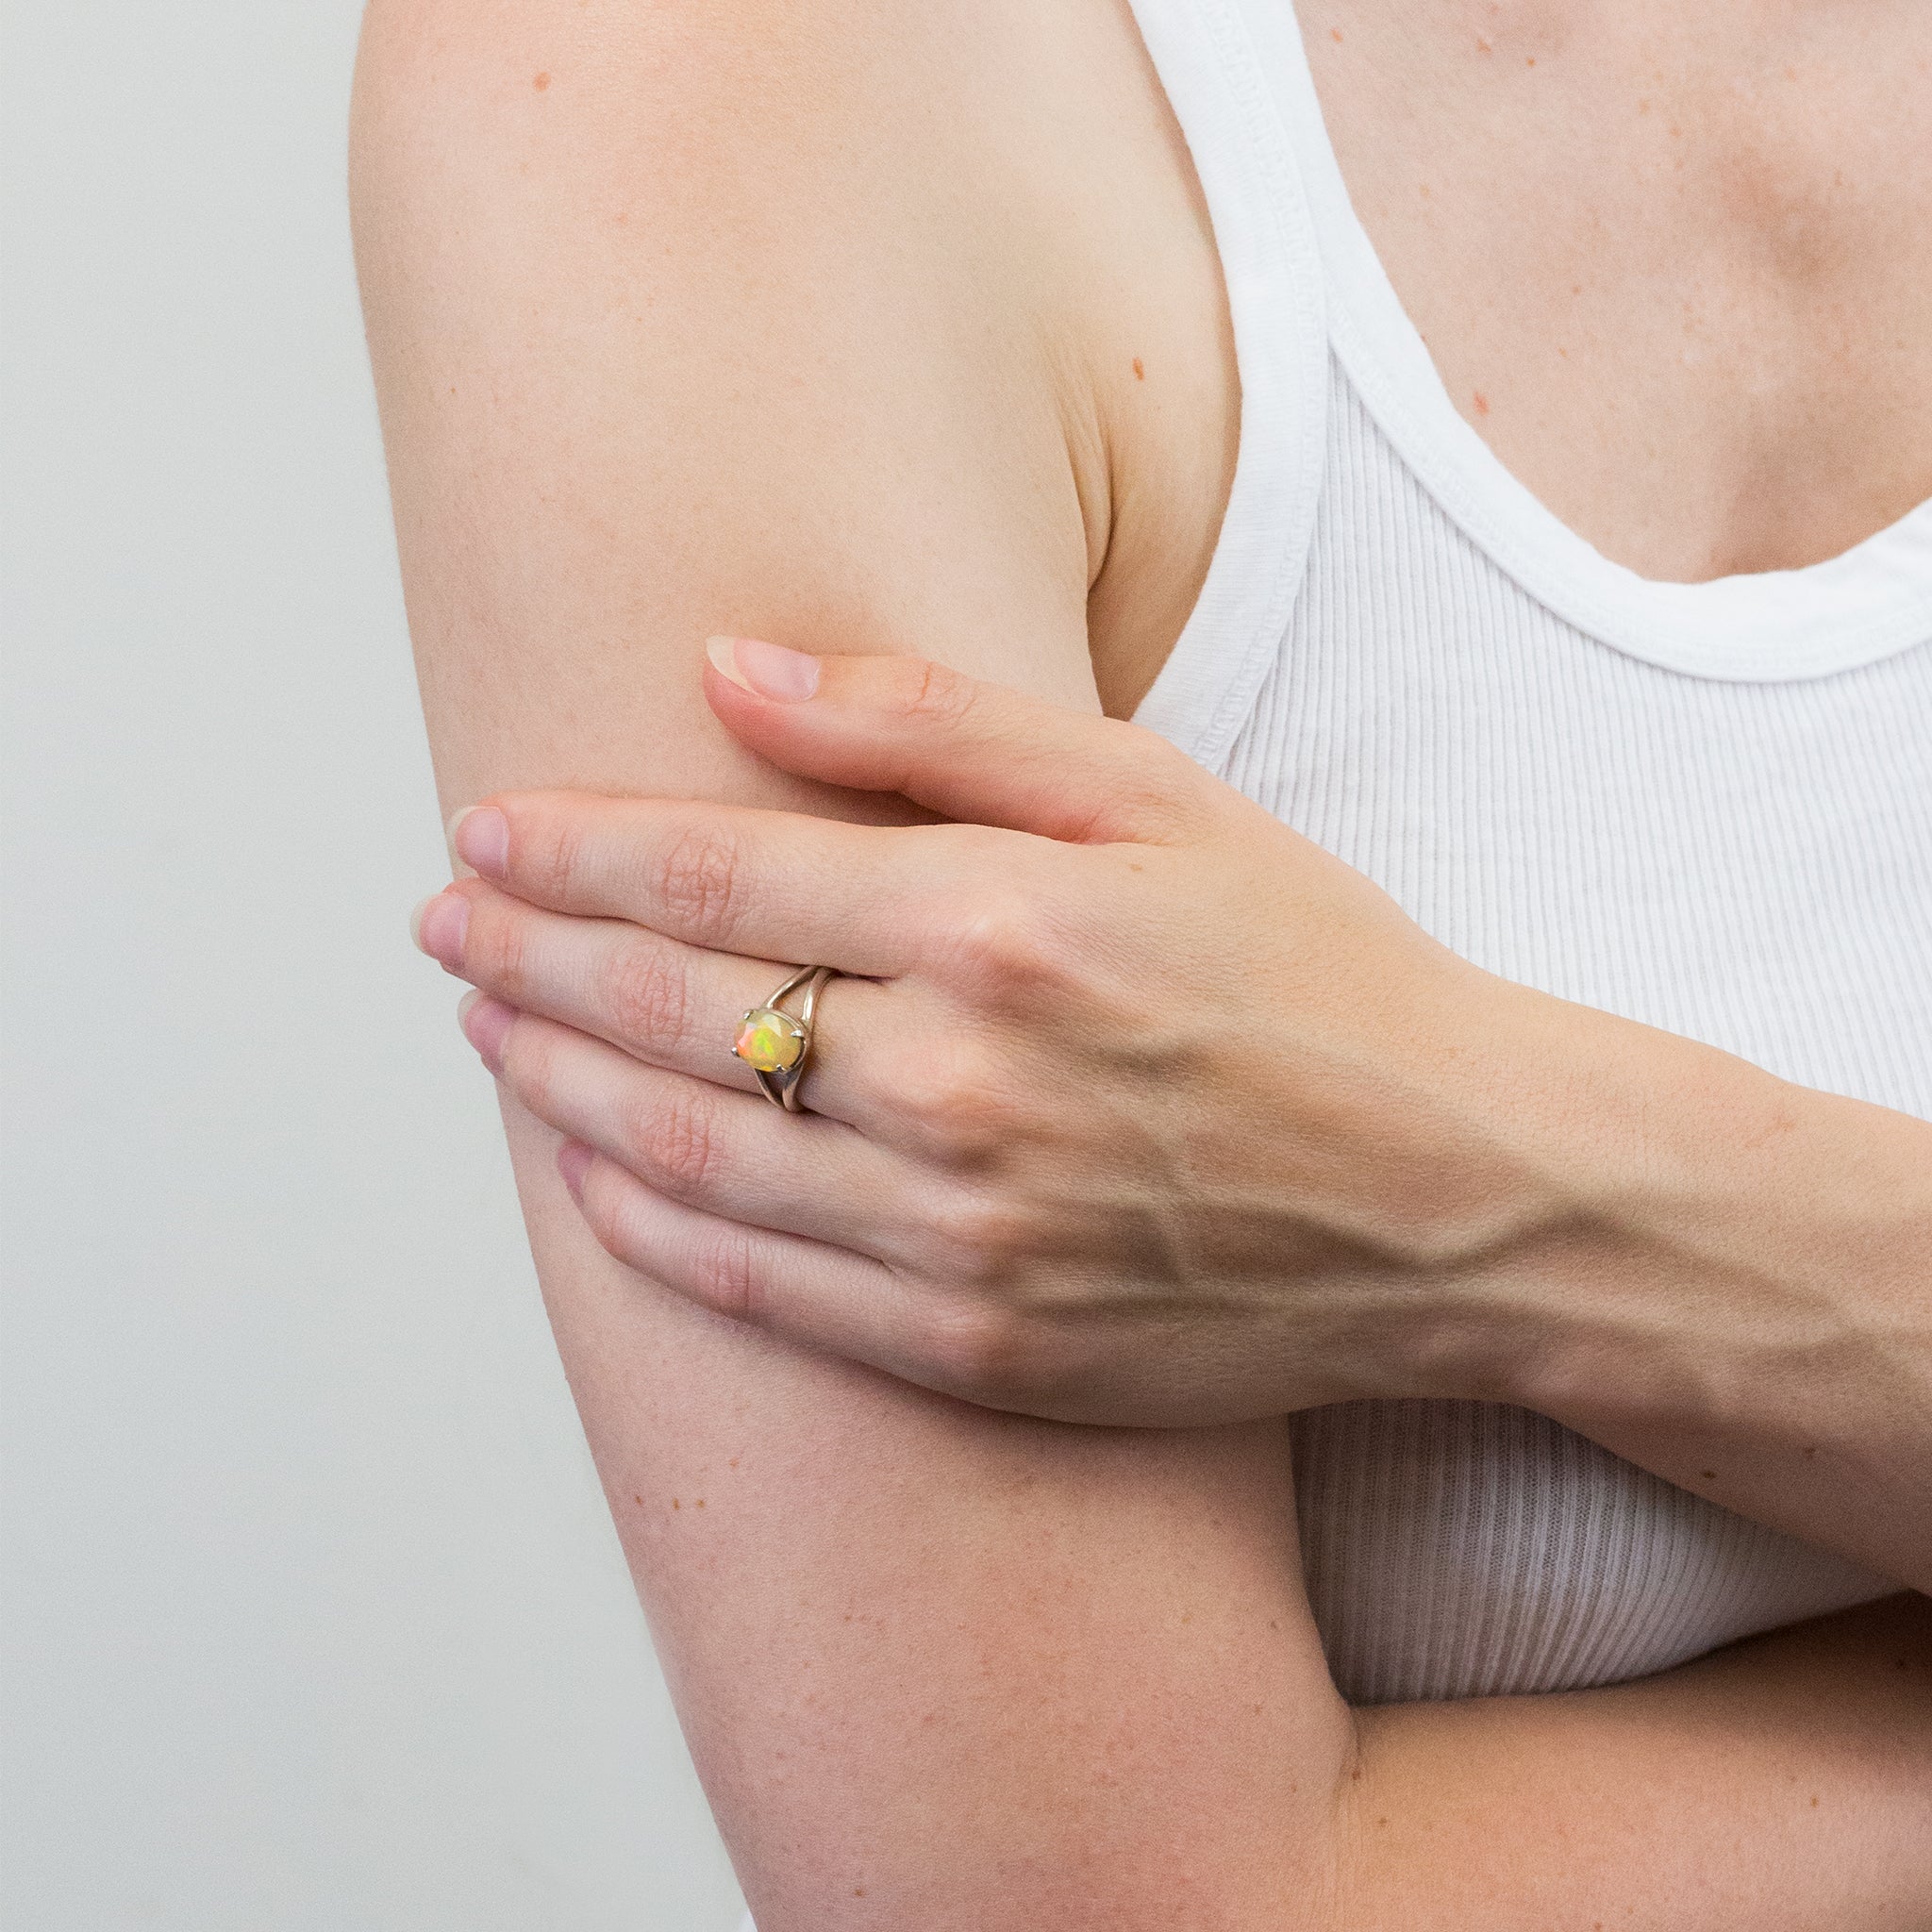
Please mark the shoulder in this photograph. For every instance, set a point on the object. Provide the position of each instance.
(769, 136)
(967, 221)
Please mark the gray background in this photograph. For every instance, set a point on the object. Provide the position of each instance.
(313, 1618)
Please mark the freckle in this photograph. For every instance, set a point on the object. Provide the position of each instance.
(1482, 46)
(1381, 1821)
(859, 1892)
(1814, 1801)
(1674, 130)
(1812, 1451)
(1790, 74)
(734, 1463)
(1422, 189)
(1643, 106)
(1355, 1778)
(675, 1504)
(1334, 35)
(1187, 1616)
(1709, 1475)
(1530, 61)
(638, 1501)
(1140, 373)
(701, 1502)
(1482, 403)
(1576, 288)
(541, 82)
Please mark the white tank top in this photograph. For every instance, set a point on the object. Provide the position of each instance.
(1705, 806)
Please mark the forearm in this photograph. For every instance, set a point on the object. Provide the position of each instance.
(1782, 1785)
(1742, 1300)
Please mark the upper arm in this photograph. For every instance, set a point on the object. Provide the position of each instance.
(738, 321)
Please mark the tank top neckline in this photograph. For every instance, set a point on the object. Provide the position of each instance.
(1867, 604)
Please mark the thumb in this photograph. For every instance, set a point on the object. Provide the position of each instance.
(977, 753)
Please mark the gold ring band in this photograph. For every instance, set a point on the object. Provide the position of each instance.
(775, 1044)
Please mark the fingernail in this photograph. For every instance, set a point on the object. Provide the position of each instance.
(438, 924)
(486, 1025)
(479, 835)
(573, 1162)
(770, 669)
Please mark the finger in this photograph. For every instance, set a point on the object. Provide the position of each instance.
(772, 885)
(671, 1005)
(730, 1155)
(823, 1297)
(973, 752)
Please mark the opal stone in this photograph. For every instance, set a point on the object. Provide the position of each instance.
(769, 1041)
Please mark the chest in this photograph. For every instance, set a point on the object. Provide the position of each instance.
(1674, 265)
(1742, 864)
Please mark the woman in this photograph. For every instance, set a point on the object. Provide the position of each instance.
(1501, 1043)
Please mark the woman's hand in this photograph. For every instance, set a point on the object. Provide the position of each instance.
(1132, 1105)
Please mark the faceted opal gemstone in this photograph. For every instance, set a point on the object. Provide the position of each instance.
(769, 1041)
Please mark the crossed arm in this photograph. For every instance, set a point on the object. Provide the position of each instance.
(939, 1666)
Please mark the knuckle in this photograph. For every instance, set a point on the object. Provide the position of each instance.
(980, 1242)
(699, 880)
(1142, 799)
(956, 1106)
(979, 1348)
(647, 995)
(1157, 785)
(549, 847)
(673, 1141)
(529, 1069)
(603, 1214)
(1002, 946)
(930, 693)
(498, 947)
(724, 1273)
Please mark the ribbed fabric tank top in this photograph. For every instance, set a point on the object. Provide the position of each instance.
(1705, 807)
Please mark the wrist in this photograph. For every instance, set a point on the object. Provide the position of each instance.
(1523, 1157)
(1715, 1239)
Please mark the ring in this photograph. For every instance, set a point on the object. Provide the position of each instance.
(774, 1044)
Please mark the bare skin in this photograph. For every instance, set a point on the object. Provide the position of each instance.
(1042, 1168)
(702, 320)
(1671, 261)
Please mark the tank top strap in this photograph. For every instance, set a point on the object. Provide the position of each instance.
(1214, 77)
